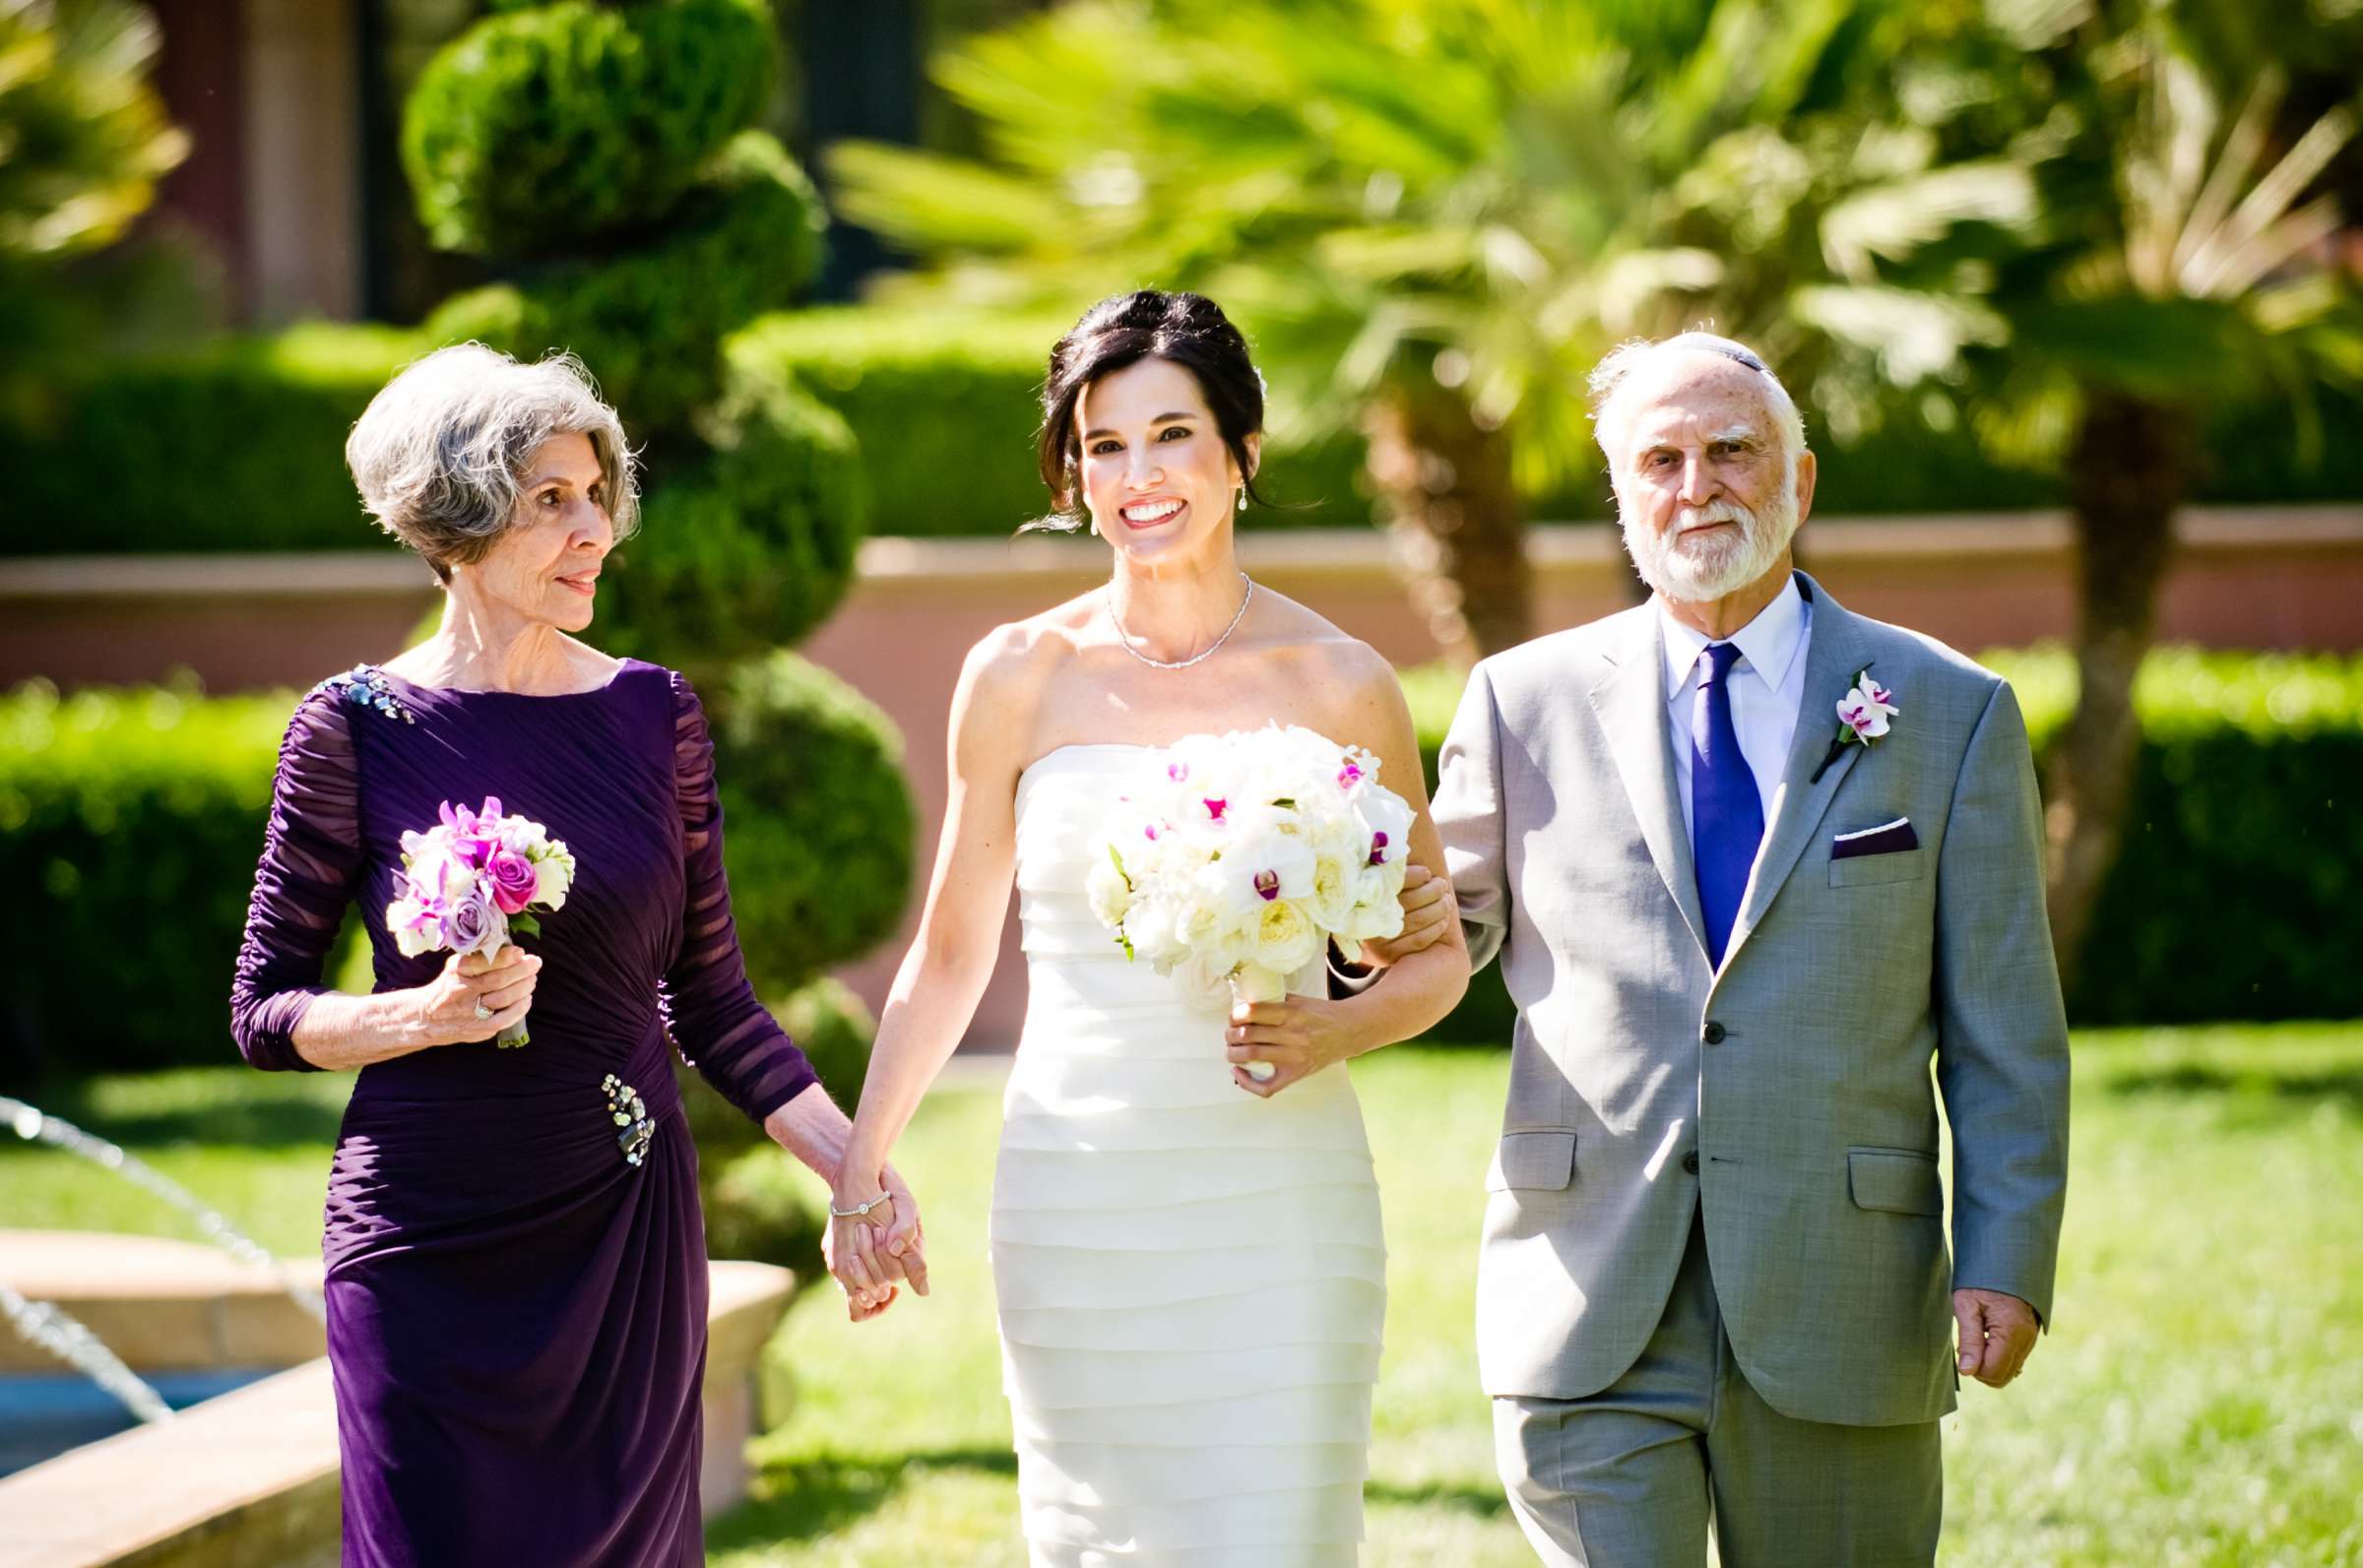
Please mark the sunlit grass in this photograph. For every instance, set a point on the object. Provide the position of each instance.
(2201, 1404)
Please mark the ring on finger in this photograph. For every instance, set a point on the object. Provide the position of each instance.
(483, 1012)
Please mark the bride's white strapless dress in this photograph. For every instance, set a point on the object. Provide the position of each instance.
(1191, 1278)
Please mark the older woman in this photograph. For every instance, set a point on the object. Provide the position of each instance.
(516, 1273)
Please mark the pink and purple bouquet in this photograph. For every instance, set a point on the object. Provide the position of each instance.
(470, 882)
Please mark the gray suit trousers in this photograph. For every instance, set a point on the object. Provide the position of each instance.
(1631, 1476)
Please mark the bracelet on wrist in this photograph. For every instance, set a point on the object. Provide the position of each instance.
(860, 1210)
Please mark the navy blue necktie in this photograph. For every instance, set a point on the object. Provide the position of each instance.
(1727, 815)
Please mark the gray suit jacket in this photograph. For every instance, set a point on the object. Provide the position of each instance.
(1798, 1074)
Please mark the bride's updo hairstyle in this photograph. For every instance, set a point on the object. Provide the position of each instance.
(1122, 330)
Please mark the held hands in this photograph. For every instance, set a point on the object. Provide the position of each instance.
(475, 997)
(1428, 911)
(1299, 1037)
(1998, 1332)
(868, 1253)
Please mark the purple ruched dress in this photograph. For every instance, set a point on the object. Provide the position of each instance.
(516, 1314)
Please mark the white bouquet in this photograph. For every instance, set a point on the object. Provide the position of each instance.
(1236, 858)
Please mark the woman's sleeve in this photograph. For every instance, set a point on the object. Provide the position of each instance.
(716, 1022)
(310, 871)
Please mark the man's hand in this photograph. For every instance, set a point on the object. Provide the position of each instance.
(1998, 1330)
(1429, 912)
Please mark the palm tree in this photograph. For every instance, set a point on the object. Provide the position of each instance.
(1437, 216)
(2186, 262)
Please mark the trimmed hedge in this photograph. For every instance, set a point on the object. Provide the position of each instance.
(131, 821)
(130, 824)
(753, 544)
(650, 322)
(944, 405)
(544, 127)
(2233, 895)
(236, 446)
(818, 820)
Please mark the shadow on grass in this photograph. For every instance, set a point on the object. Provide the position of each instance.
(1478, 1502)
(2292, 1088)
(803, 1499)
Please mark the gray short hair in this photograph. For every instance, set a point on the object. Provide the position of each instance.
(1609, 377)
(441, 450)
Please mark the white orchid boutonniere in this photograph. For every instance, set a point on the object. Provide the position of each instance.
(1863, 714)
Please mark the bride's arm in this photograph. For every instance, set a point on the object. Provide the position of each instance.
(949, 963)
(1304, 1035)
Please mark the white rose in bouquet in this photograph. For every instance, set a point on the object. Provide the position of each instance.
(1235, 858)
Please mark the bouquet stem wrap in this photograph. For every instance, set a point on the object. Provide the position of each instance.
(1253, 982)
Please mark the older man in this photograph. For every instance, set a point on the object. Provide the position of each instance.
(1749, 861)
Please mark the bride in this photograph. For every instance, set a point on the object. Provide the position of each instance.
(1187, 1256)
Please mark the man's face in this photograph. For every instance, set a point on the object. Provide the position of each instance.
(1706, 490)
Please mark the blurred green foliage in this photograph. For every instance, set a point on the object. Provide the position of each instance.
(750, 540)
(129, 826)
(235, 445)
(942, 406)
(2234, 895)
(817, 818)
(760, 1203)
(554, 124)
(84, 141)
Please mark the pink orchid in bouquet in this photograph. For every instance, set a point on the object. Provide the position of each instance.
(470, 882)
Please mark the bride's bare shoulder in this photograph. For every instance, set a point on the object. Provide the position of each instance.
(1008, 669)
(1317, 649)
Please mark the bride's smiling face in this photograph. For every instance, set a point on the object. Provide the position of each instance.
(1156, 477)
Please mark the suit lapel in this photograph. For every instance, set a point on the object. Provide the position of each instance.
(1837, 651)
(1630, 701)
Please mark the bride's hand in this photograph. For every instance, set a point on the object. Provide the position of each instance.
(868, 1253)
(1428, 911)
(1298, 1037)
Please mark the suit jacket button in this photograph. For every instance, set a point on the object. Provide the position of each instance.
(1714, 1034)
(1689, 1161)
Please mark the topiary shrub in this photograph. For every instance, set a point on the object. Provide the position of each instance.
(763, 1207)
(835, 1030)
(651, 322)
(749, 547)
(547, 125)
(552, 124)
(817, 818)
(756, 1197)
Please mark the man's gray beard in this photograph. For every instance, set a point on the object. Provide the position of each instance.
(1696, 577)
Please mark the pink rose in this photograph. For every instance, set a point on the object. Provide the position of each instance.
(513, 877)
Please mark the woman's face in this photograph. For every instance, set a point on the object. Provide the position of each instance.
(1155, 477)
(546, 567)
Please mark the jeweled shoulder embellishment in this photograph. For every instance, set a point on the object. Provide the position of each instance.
(630, 1113)
(367, 687)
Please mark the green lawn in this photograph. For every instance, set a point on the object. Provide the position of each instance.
(2201, 1404)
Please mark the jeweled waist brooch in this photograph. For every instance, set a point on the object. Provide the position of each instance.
(633, 1130)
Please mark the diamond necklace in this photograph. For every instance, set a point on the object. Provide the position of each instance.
(1108, 598)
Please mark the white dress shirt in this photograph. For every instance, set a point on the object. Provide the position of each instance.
(1767, 683)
